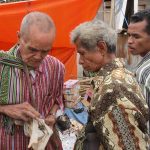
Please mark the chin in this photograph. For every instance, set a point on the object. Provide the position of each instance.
(134, 53)
(33, 66)
(89, 70)
(86, 69)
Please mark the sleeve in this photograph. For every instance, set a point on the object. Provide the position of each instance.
(143, 78)
(60, 82)
(147, 90)
(117, 113)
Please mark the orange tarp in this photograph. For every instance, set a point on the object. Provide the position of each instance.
(66, 15)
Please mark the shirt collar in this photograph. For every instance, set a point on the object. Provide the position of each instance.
(108, 68)
(145, 58)
(39, 69)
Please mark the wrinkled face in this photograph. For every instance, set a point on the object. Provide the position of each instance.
(90, 60)
(35, 47)
(138, 40)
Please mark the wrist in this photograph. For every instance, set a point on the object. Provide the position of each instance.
(1, 109)
(52, 114)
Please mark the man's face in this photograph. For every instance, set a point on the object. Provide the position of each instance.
(138, 39)
(90, 60)
(35, 47)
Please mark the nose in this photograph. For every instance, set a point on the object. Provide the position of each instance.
(130, 39)
(38, 56)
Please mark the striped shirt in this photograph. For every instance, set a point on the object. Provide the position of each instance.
(143, 77)
(47, 87)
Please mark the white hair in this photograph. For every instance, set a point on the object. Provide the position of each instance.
(39, 19)
(90, 33)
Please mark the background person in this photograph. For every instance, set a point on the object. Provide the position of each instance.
(139, 44)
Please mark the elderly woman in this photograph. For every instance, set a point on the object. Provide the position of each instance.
(118, 112)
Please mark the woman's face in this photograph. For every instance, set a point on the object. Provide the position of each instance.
(90, 60)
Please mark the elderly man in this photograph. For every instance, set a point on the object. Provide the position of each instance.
(118, 112)
(31, 82)
(139, 44)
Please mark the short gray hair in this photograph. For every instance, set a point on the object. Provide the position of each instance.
(40, 19)
(90, 33)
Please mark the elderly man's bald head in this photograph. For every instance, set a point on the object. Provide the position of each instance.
(38, 19)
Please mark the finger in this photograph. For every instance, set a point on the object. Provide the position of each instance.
(28, 107)
(23, 117)
(36, 113)
(50, 121)
(50, 118)
(29, 114)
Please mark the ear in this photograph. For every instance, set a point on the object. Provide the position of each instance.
(102, 47)
(18, 35)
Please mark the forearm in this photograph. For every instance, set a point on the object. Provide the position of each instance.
(2, 107)
(54, 109)
(23, 111)
(51, 117)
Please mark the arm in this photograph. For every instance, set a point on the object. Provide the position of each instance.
(24, 111)
(50, 120)
(54, 109)
(114, 114)
(1, 109)
(58, 101)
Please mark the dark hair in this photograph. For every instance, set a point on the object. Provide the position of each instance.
(141, 16)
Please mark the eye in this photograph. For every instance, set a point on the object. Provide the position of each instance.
(136, 36)
(81, 54)
(45, 52)
(32, 49)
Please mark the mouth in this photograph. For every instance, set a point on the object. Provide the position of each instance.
(87, 69)
(35, 63)
(131, 49)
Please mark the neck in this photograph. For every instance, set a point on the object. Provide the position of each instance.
(143, 54)
(109, 58)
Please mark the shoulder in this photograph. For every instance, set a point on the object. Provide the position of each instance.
(119, 76)
(142, 67)
(121, 72)
(143, 72)
(122, 82)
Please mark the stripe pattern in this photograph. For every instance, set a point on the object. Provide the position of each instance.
(143, 77)
(47, 86)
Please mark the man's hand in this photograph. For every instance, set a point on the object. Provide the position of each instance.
(24, 112)
(50, 120)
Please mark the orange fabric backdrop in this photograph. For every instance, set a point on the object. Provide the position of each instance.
(66, 15)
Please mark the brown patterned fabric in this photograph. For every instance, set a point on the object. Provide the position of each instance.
(118, 110)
